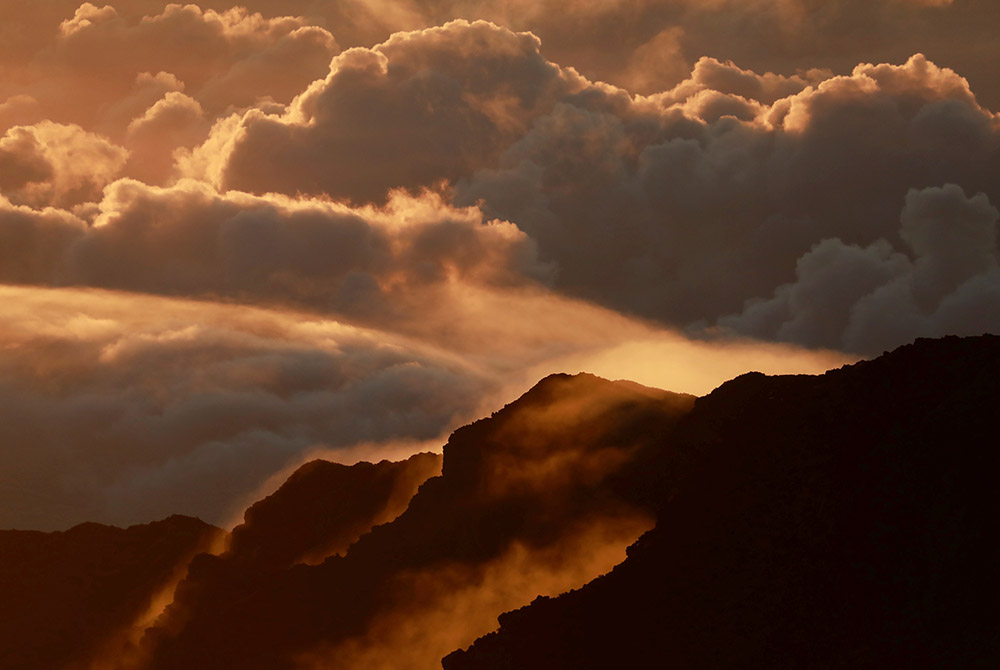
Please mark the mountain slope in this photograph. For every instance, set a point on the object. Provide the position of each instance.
(69, 596)
(540, 497)
(324, 507)
(839, 521)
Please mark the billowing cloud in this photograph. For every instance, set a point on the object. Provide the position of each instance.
(83, 69)
(606, 40)
(51, 164)
(175, 121)
(191, 240)
(867, 299)
(422, 107)
(680, 208)
(204, 48)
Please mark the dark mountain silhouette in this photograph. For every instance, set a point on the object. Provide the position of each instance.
(317, 513)
(846, 520)
(324, 507)
(538, 494)
(68, 596)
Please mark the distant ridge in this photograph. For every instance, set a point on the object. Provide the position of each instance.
(65, 595)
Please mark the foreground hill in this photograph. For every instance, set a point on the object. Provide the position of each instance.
(846, 520)
(69, 596)
(539, 498)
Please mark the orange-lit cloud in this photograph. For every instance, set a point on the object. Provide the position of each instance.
(82, 69)
(419, 108)
(51, 164)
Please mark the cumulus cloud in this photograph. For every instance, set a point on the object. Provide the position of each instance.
(51, 164)
(422, 107)
(605, 39)
(681, 206)
(91, 65)
(867, 299)
(173, 122)
(200, 46)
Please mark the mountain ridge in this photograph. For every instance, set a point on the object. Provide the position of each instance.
(838, 520)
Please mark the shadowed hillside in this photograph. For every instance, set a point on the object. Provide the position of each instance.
(324, 507)
(67, 596)
(838, 521)
(540, 497)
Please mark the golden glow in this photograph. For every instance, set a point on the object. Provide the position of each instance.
(447, 607)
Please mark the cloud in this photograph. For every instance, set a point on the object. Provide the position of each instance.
(122, 408)
(173, 122)
(192, 240)
(422, 107)
(605, 40)
(126, 407)
(51, 164)
(680, 208)
(866, 299)
(200, 46)
(79, 63)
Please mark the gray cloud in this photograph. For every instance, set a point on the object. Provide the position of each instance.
(682, 208)
(121, 408)
(869, 299)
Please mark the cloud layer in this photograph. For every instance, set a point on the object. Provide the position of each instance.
(123, 408)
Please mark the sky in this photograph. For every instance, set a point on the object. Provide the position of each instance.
(236, 238)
